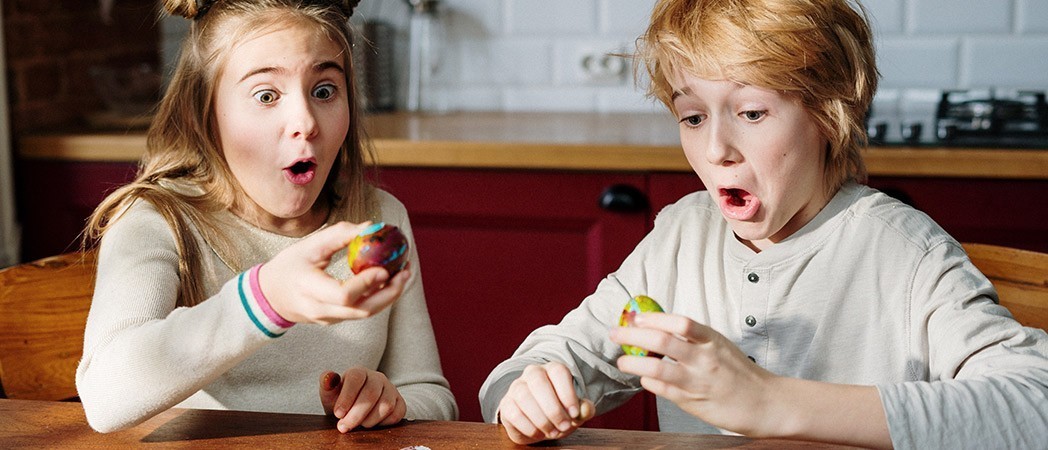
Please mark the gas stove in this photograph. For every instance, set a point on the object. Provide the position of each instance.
(966, 118)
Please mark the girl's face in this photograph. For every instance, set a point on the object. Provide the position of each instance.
(282, 109)
(758, 152)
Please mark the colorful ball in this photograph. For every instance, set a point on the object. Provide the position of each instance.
(379, 245)
(638, 304)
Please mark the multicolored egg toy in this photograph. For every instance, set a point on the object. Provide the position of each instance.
(638, 304)
(379, 245)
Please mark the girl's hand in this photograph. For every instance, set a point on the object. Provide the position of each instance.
(361, 397)
(296, 286)
(705, 374)
(542, 404)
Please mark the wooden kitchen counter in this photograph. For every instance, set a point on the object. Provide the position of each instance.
(570, 141)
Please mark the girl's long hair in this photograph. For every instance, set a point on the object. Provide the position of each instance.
(183, 143)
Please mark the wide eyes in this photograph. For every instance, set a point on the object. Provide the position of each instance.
(753, 116)
(270, 96)
(750, 116)
(265, 96)
(692, 121)
(324, 92)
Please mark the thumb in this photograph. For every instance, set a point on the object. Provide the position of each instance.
(326, 242)
(330, 387)
(586, 412)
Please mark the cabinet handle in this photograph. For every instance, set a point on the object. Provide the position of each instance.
(623, 198)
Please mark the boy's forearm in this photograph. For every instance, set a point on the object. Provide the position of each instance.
(827, 412)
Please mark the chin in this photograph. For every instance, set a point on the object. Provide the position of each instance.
(750, 231)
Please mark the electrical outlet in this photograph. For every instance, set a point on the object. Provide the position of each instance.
(599, 65)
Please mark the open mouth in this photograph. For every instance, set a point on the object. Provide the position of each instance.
(301, 167)
(735, 196)
(301, 172)
(738, 204)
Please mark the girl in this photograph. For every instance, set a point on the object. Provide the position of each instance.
(800, 303)
(214, 288)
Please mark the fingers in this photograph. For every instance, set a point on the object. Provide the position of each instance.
(537, 405)
(525, 436)
(368, 399)
(564, 389)
(586, 412)
(400, 409)
(330, 386)
(369, 289)
(352, 382)
(323, 244)
(666, 334)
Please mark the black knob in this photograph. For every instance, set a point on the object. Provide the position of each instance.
(623, 198)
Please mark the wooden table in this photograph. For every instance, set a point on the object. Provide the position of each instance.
(36, 424)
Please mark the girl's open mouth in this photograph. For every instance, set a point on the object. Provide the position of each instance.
(301, 172)
(738, 204)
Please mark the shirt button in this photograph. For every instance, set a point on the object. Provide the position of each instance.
(753, 278)
(751, 321)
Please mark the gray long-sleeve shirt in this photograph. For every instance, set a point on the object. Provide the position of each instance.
(870, 292)
(143, 355)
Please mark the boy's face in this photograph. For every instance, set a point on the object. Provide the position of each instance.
(758, 153)
(282, 109)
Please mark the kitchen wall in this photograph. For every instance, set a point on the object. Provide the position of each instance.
(526, 55)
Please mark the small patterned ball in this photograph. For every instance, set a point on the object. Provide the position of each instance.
(379, 245)
(638, 304)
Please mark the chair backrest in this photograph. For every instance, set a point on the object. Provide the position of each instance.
(43, 310)
(1021, 279)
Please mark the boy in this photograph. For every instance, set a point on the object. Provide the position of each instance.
(799, 303)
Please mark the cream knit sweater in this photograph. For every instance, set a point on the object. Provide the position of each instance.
(143, 355)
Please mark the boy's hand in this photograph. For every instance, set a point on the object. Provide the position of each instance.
(542, 404)
(705, 374)
(361, 397)
(299, 290)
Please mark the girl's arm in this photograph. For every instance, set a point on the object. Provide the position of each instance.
(143, 355)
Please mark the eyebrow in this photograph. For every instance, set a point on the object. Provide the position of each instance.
(318, 67)
(678, 93)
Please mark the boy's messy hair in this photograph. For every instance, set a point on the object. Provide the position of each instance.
(819, 50)
(183, 143)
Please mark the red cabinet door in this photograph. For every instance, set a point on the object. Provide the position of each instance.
(1012, 213)
(666, 188)
(505, 252)
(55, 198)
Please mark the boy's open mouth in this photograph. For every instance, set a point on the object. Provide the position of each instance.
(735, 196)
(737, 203)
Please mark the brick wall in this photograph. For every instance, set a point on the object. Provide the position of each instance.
(50, 46)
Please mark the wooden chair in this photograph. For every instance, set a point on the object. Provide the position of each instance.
(1021, 279)
(43, 310)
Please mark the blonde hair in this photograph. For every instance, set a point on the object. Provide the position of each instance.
(819, 50)
(183, 143)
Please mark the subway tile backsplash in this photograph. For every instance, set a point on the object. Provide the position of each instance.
(548, 55)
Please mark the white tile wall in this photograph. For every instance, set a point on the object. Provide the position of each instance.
(1033, 16)
(526, 55)
(551, 17)
(960, 16)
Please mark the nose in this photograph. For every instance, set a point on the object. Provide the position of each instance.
(302, 120)
(720, 143)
